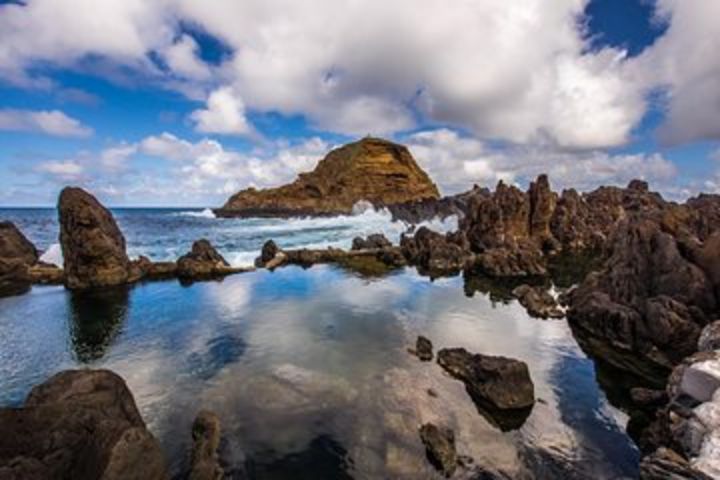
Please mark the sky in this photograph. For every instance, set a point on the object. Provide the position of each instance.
(183, 102)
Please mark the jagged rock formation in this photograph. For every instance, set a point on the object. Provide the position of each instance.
(92, 244)
(14, 245)
(372, 169)
(205, 464)
(80, 424)
(203, 261)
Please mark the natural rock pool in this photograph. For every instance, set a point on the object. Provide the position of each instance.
(310, 375)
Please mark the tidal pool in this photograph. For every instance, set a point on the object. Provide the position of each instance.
(310, 374)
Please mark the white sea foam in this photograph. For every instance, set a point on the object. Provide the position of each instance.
(207, 213)
(53, 255)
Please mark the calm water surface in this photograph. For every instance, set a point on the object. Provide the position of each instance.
(309, 372)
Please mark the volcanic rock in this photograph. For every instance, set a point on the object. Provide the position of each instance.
(538, 302)
(374, 170)
(15, 246)
(434, 252)
(80, 424)
(46, 274)
(92, 244)
(372, 242)
(440, 448)
(665, 464)
(14, 277)
(423, 349)
(503, 383)
(206, 440)
(203, 261)
(710, 337)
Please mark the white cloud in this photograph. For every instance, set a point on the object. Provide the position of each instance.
(67, 171)
(51, 122)
(456, 162)
(225, 114)
(685, 61)
(182, 58)
(115, 159)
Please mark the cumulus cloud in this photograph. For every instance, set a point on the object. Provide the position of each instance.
(50, 122)
(182, 58)
(224, 114)
(686, 64)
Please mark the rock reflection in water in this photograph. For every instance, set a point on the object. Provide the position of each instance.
(97, 317)
(323, 458)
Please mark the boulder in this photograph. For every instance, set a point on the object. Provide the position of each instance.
(440, 448)
(267, 254)
(665, 464)
(538, 302)
(205, 464)
(435, 253)
(375, 241)
(92, 244)
(499, 382)
(372, 170)
(14, 277)
(202, 261)
(15, 246)
(80, 424)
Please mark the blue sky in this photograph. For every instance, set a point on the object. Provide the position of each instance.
(171, 102)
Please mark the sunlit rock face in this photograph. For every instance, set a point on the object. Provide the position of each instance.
(372, 169)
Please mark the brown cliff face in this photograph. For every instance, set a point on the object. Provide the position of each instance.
(372, 169)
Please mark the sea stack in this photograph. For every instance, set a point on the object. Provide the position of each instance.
(92, 244)
(375, 170)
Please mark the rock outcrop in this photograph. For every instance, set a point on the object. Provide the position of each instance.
(372, 242)
(92, 244)
(203, 261)
(436, 254)
(378, 171)
(500, 387)
(15, 246)
(440, 448)
(14, 277)
(80, 424)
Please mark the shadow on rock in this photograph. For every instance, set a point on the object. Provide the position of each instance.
(97, 317)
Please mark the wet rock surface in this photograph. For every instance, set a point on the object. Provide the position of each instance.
(372, 169)
(80, 424)
(500, 387)
(440, 448)
(92, 244)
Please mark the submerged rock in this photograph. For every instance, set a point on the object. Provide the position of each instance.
(440, 448)
(80, 424)
(500, 387)
(538, 302)
(372, 169)
(206, 440)
(423, 349)
(92, 244)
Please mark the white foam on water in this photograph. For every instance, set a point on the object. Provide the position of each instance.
(53, 255)
(207, 213)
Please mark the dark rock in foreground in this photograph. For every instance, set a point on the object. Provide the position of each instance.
(665, 464)
(206, 440)
(440, 448)
(80, 424)
(500, 387)
(92, 244)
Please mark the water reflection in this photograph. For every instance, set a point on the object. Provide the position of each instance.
(323, 458)
(220, 351)
(96, 319)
